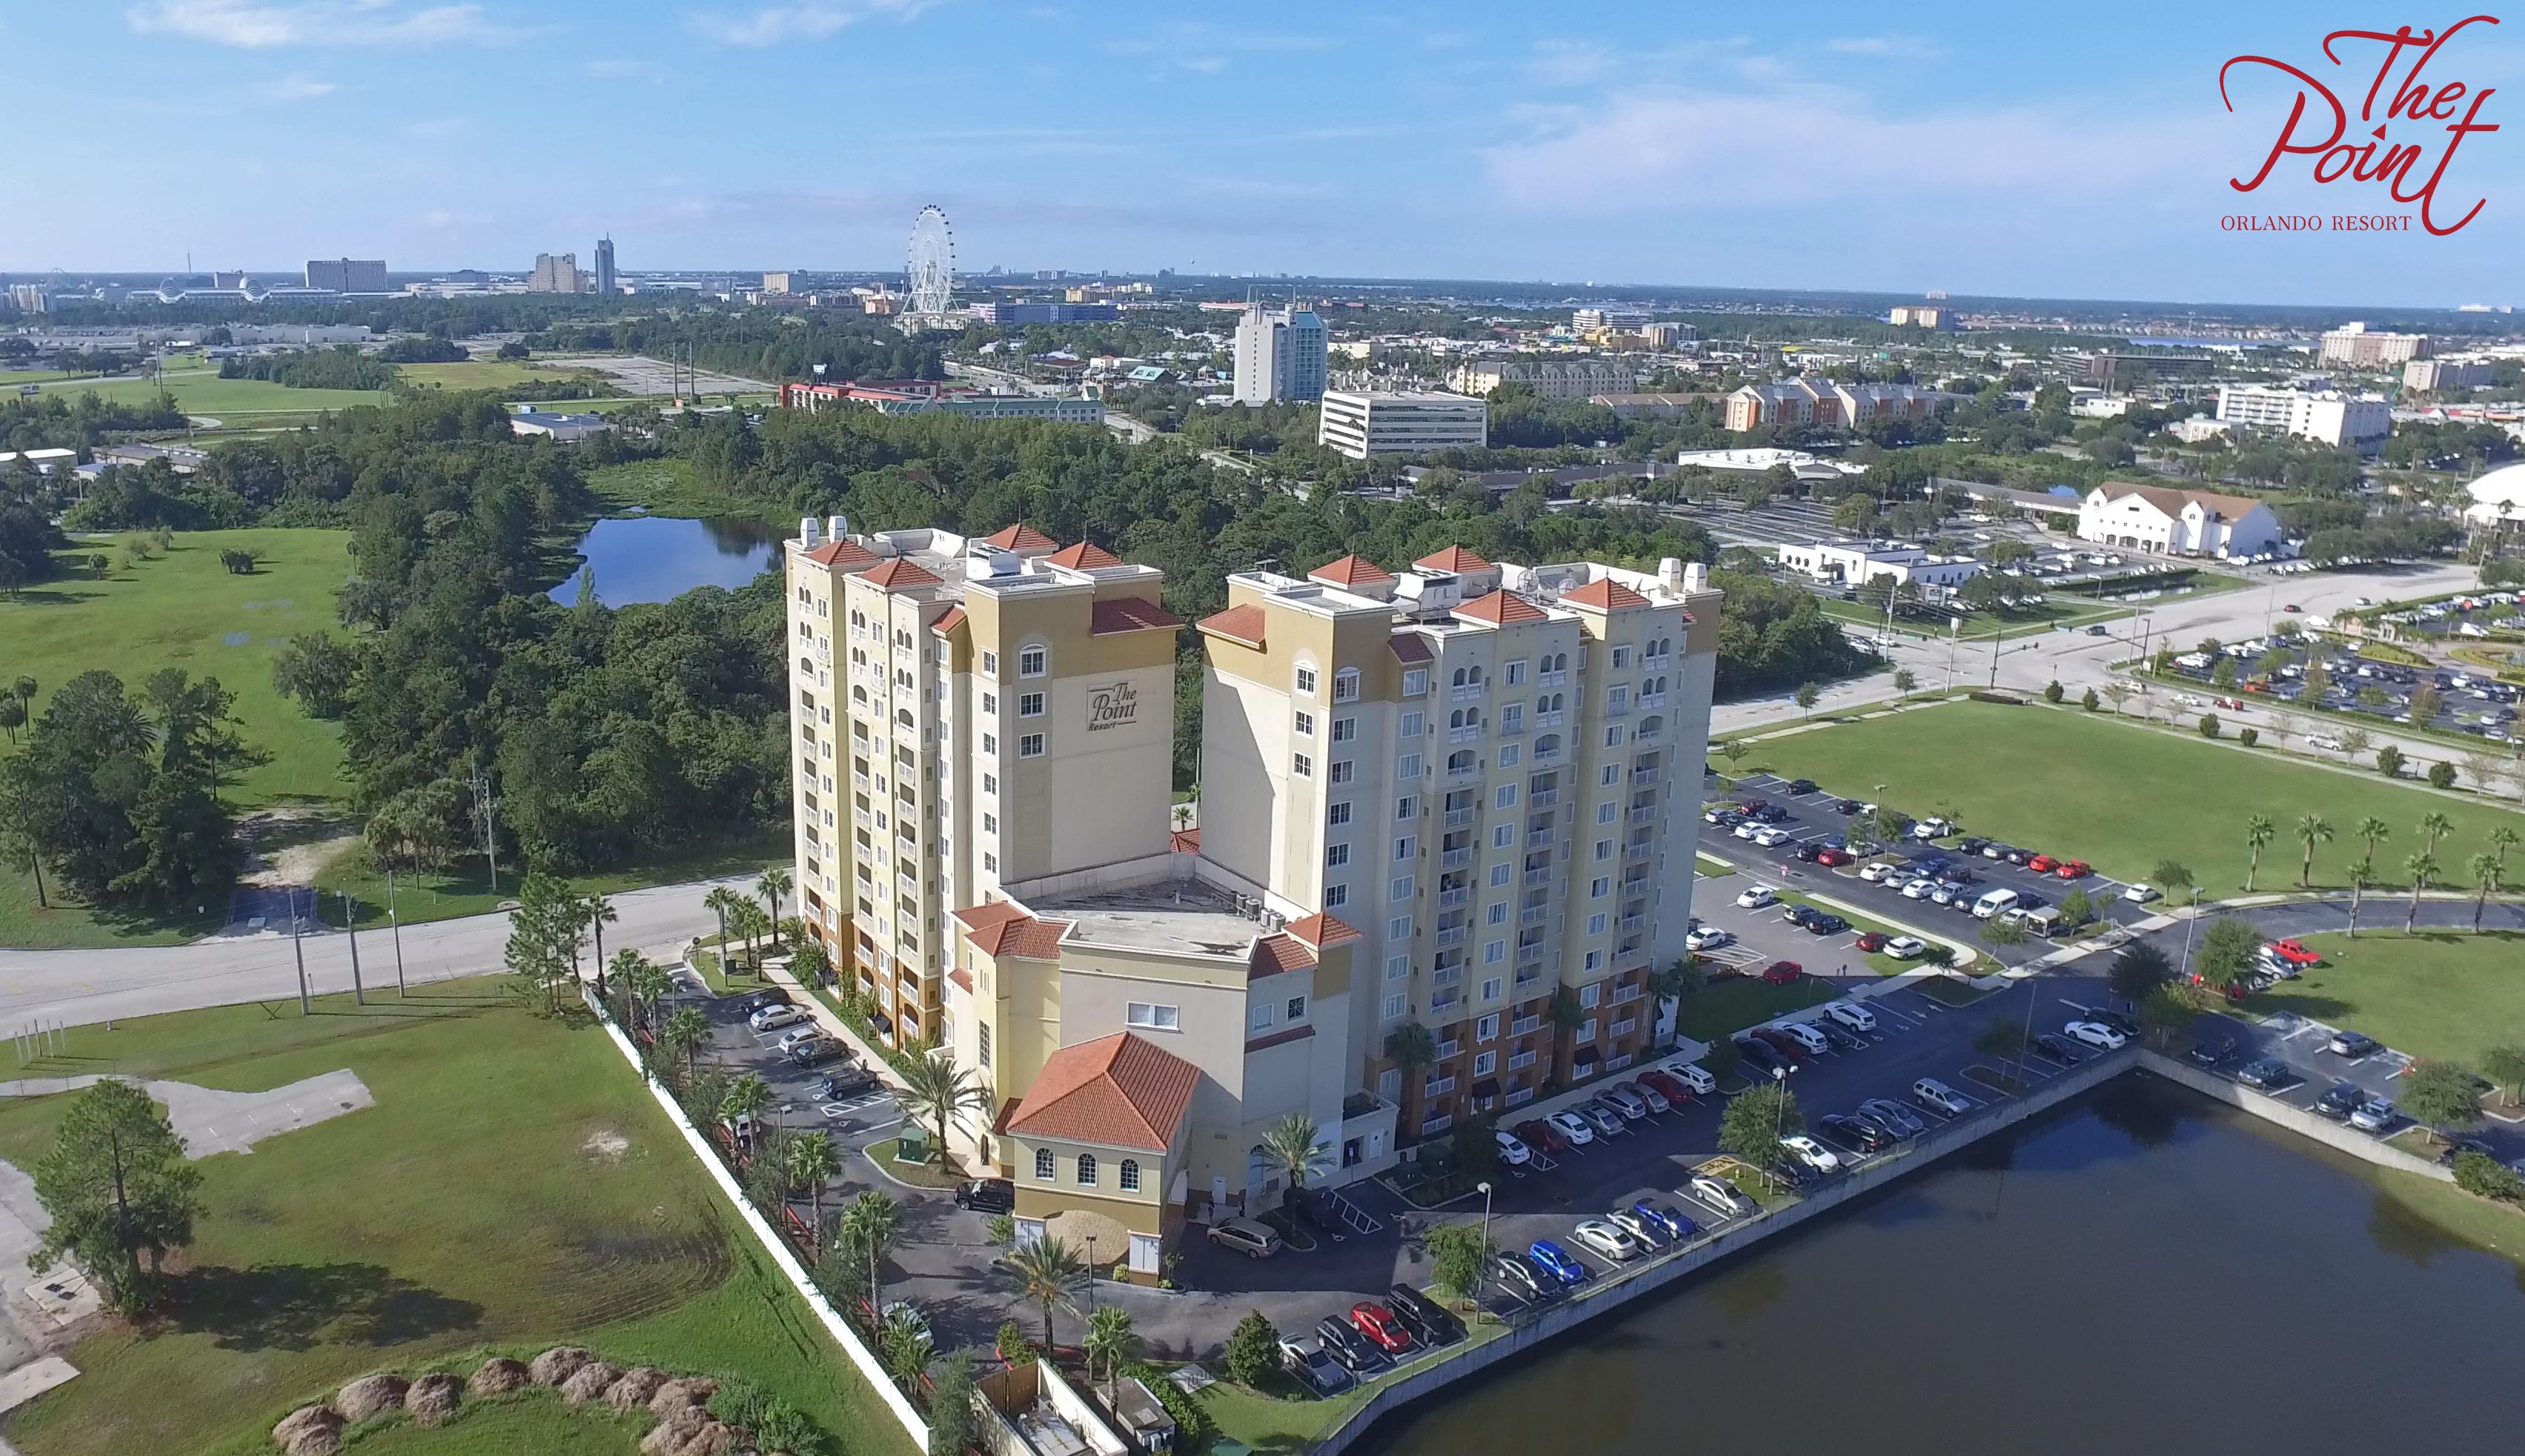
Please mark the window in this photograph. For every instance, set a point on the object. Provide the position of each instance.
(1346, 685)
(1504, 796)
(1494, 952)
(1336, 855)
(985, 1044)
(1512, 718)
(1500, 874)
(990, 862)
(1503, 836)
(1487, 1029)
(990, 823)
(1393, 1006)
(1030, 746)
(990, 702)
(1600, 887)
(1265, 1016)
(1613, 736)
(1609, 775)
(1618, 698)
(1516, 672)
(1307, 680)
(1605, 812)
(990, 743)
(1407, 767)
(1130, 1175)
(1305, 725)
(1398, 967)
(1337, 811)
(1496, 913)
(1336, 895)
(1029, 705)
(1087, 1170)
(1603, 850)
(1485, 1063)
(1407, 847)
(1345, 729)
(1415, 681)
(1343, 771)
(1031, 661)
(1302, 766)
(990, 783)
(1413, 725)
(1043, 1163)
(991, 663)
(1406, 807)
(1586, 1030)
(1596, 923)
(1153, 1017)
(1296, 1011)
(1595, 960)
(1622, 656)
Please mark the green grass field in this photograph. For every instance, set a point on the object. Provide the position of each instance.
(490, 373)
(514, 1187)
(1733, 1002)
(2439, 994)
(466, 888)
(2118, 796)
(201, 391)
(663, 487)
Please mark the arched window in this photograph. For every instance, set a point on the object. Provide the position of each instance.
(1461, 761)
(1034, 659)
(1459, 679)
(1043, 1163)
(1087, 1170)
(1547, 745)
(1346, 685)
(1650, 725)
(1130, 1175)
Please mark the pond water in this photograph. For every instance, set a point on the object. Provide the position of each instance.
(658, 558)
(2142, 1270)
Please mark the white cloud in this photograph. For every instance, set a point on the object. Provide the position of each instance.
(813, 19)
(267, 24)
(296, 88)
(1895, 47)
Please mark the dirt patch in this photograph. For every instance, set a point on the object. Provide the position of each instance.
(605, 1145)
(288, 846)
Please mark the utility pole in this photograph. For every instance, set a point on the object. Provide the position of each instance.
(351, 923)
(483, 808)
(396, 921)
(296, 949)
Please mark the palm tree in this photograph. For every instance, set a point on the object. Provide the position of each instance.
(600, 913)
(869, 1228)
(1049, 1271)
(903, 1340)
(1111, 1341)
(935, 1089)
(774, 883)
(2423, 867)
(2484, 874)
(2501, 839)
(810, 1162)
(719, 903)
(749, 922)
(1411, 1047)
(2311, 830)
(1183, 817)
(2258, 831)
(640, 981)
(746, 1098)
(2372, 832)
(1293, 1148)
(2436, 826)
(683, 1034)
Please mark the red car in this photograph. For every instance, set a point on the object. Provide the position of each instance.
(1668, 1084)
(1832, 857)
(2294, 952)
(2043, 864)
(2072, 869)
(1536, 1133)
(1379, 1324)
(1872, 941)
(1782, 1043)
(1783, 972)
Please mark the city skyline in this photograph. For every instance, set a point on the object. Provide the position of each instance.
(1311, 141)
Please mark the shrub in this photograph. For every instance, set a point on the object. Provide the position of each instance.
(2052, 690)
(2208, 725)
(2089, 702)
(2249, 736)
(2482, 1174)
(1013, 1345)
(2441, 775)
(740, 1403)
(1253, 1351)
(2388, 762)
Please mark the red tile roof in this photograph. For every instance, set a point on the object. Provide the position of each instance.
(1086, 556)
(1604, 594)
(962, 977)
(1501, 608)
(1116, 1092)
(1024, 935)
(843, 553)
(1320, 931)
(948, 621)
(1352, 572)
(1184, 842)
(1297, 1033)
(1020, 537)
(1277, 953)
(1129, 614)
(1240, 623)
(1410, 647)
(899, 573)
(1452, 559)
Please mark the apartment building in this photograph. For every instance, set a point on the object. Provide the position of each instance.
(1490, 771)
(1549, 378)
(1607, 320)
(554, 272)
(2361, 347)
(2434, 375)
(968, 714)
(1281, 354)
(2330, 417)
(347, 274)
(1823, 402)
(1361, 424)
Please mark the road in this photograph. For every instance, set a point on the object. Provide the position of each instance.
(79, 987)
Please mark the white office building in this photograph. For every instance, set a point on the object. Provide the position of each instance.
(2330, 417)
(1855, 564)
(2177, 522)
(1549, 378)
(1360, 425)
(1281, 354)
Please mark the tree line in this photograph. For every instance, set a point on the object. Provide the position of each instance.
(342, 366)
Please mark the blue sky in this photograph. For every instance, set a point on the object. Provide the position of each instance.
(2018, 148)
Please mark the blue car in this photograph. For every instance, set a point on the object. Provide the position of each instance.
(1557, 1261)
(1676, 1224)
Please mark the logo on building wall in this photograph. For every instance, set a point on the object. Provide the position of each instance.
(1112, 705)
(2399, 138)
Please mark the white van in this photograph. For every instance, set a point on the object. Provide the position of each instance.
(1992, 902)
(1852, 1015)
(1696, 1077)
(1807, 1037)
(2042, 922)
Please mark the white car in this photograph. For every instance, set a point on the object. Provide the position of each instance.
(2372, 1116)
(2096, 1034)
(2139, 894)
(1750, 828)
(1512, 1148)
(1707, 938)
(770, 1018)
(1919, 889)
(1607, 1238)
(1936, 1097)
(1813, 1154)
(1721, 1195)
(1757, 898)
(1877, 874)
(1906, 947)
(795, 1035)
(1770, 837)
(1571, 1126)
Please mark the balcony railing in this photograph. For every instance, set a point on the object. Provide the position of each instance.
(1455, 859)
(1436, 1123)
(1519, 1061)
(1627, 993)
(1537, 839)
(1638, 851)
(1630, 923)
(1536, 878)
(1458, 818)
(1523, 1024)
(1467, 734)
(1550, 720)
(1618, 1063)
(1518, 1094)
(1465, 692)
(1543, 798)
(1450, 1048)
(1555, 679)
(1530, 953)
(1625, 1026)
(1644, 775)
(1533, 914)
(1646, 815)
(1452, 937)
(1447, 899)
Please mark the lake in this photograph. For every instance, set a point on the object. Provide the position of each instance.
(2140, 1270)
(658, 558)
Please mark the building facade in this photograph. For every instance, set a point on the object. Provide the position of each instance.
(347, 274)
(1361, 424)
(2329, 417)
(1549, 378)
(1853, 563)
(1607, 320)
(2433, 375)
(2358, 345)
(1821, 402)
(554, 272)
(1054, 312)
(1921, 315)
(2177, 522)
(608, 282)
(1281, 354)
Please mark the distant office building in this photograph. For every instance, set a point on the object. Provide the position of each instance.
(29, 298)
(2177, 522)
(1549, 378)
(2432, 376)
(1808, 401)
(1360, 425)
(2329, 417)
(554, 272)
(1021, 314)
(1920, 316)
(924, 396)
(559, 426)
(2357, 345)
(605, 277)
(1281, 354)
(1669, 335)
(777, 282)
(232, 279)
(1608, 321)
(1851, 564)
(347, 274)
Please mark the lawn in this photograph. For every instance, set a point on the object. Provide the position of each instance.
(2119, 796)
(486, 373)
(201, 391)
(663, 487)
(2438, 993)
(466, 888)
(513, 1186)
(1730, 1003)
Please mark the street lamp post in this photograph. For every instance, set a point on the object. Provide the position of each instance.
(1482, 1271)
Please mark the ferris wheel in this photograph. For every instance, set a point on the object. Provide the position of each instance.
(930, 276)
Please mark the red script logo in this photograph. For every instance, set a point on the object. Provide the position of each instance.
(2411, 100)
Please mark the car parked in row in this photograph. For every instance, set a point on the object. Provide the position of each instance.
(1939, 1097)
(1813, 1154)
(1312, 1366)
(1896, 1119)
(1721, 1195)
(1522, 1276)
(1609, 1238)
(1568, 1124)
(1252, 1237)
(1376, 1321)
(1558, 1262)
(1855, 1134)
(1676, 1224)
(1429, 1321)
(1356, 1352)
(2094, 1034)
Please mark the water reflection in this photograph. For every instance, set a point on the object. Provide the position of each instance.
(658, 558)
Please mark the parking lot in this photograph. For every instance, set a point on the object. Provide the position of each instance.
(2263, 671)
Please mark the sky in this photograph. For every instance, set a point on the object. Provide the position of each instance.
(2015, 149)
